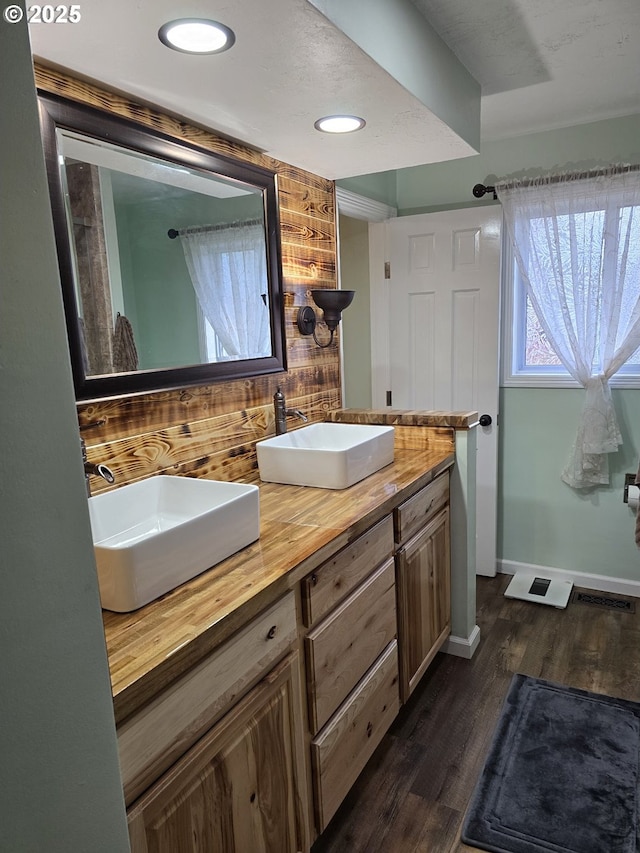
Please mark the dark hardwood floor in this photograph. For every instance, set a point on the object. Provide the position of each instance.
(413, 793)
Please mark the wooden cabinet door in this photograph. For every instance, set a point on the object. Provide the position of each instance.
(241, 788)
(423, 585)
(161, 732)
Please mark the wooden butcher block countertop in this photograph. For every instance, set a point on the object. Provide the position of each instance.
(300, 528)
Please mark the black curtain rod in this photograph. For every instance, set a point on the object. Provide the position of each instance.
(480, 190)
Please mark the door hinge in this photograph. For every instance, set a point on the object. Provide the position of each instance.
(389, 403)
(387, 269)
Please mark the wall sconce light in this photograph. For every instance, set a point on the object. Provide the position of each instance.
(332, 303)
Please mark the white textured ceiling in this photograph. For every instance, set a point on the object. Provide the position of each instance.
(544, 64)
(541, 64)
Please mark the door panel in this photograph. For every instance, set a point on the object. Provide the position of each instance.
(443, 308)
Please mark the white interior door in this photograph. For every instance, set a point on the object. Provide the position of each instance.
(444, 312)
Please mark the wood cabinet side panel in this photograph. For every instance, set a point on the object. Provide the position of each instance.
(442, 556)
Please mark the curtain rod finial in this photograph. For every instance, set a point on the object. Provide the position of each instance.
(479, 190)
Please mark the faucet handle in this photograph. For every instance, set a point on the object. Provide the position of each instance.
(297, 414)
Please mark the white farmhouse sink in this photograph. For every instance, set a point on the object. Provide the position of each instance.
(326, 455)
(151, 536)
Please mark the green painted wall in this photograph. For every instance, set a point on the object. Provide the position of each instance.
(442, 186)
(356, 323)
(445, 185)
(381, 186)
(159, 298)
(541, 521)
(60, 788)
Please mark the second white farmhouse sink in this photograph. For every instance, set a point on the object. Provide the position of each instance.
(326, 455)
(149, 537)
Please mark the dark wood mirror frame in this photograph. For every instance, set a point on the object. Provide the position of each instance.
(59, 113)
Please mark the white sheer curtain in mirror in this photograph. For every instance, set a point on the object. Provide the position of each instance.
(577, 244)
(227, 266)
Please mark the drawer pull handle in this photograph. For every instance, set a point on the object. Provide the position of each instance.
(272, 632)
(314, 579)
(369, 729)
(429, 507)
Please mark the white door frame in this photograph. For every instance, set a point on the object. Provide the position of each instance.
(375, 213)
(379, 295)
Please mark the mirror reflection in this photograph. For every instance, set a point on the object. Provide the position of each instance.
(146, 312)
(170, 262)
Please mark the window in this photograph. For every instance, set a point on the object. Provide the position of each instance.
(577, 242)
(210, 345)
(529, 359)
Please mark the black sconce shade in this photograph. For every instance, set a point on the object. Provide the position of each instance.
(332, 303)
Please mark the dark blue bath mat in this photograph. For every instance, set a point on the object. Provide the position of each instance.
(561, 776)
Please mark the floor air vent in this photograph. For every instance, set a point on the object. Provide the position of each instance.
(599, 600)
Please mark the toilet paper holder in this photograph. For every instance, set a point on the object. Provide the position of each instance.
(629, 480)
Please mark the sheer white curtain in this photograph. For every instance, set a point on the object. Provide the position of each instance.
(577, 245)
(227, 265)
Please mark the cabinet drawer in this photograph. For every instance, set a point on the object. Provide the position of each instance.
(151, 740)
(413, 514)
(345, 745)
(345, 644)
(336, 578)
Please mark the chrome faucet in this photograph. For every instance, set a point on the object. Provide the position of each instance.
(90, 468)
(282, 413)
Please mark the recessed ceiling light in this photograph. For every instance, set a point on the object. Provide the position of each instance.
(196, 35)
(339, 124)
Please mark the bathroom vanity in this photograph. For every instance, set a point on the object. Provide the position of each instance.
(249, 699)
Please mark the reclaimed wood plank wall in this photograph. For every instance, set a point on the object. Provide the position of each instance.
(211, 430)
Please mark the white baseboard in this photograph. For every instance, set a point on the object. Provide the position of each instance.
(487, 574)
(602, 583)
(463, 647)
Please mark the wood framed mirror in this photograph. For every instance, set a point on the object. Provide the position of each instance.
(169, 256)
